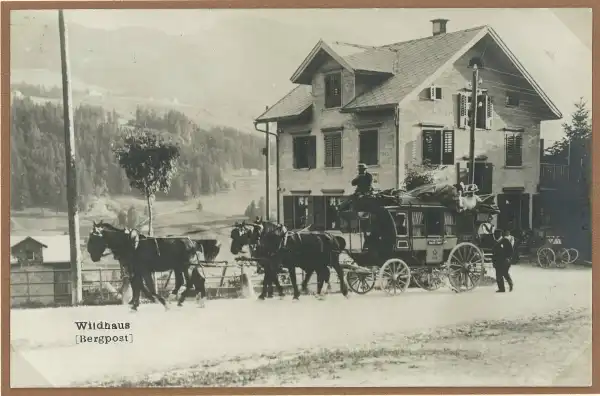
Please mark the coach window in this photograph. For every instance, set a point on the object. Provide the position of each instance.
(434, 222)
(400, 221)
(449, 224)
(418, 224)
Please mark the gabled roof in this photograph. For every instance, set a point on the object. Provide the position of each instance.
(417, 60)
(419, 63)
(57, 247)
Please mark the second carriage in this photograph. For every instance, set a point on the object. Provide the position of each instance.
(411, 242)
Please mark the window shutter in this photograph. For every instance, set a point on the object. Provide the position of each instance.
(486, 187)
(432, 150)
(328, 151)
(288, 211)
(432, 93)
(337, 150)
(514, 149)
(312, 152)
(489, 108)
(463, 104)
(448, 148)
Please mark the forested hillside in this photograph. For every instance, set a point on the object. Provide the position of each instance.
(38, 157)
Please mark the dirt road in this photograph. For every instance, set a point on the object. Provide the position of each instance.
(248, 332)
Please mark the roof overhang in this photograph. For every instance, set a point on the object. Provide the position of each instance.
(28, 239)
(368, 108)
(304, 73)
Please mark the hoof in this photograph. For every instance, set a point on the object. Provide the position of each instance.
(201, 303)
(179, 304)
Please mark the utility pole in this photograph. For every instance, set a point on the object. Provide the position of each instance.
(267, 171)
(473, 122)
(72, 194)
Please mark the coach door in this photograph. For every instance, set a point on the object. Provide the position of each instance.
(434, 235)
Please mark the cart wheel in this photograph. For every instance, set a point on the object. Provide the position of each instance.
(545, 257)
(429, 280)
(562, 257)
(394, 276)
(465, 267)
(360, 283)
(573, 254)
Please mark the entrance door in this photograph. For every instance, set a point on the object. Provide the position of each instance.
(514, 211)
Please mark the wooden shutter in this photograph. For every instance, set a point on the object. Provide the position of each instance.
(432, 93)
(448, 148)
(463, 115)
(487, 182)
(312, 152)
(295, 153)
(288, 211)
(514, 149)
(489, 112)
(333, 150)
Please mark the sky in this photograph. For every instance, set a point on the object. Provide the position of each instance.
(554, 45)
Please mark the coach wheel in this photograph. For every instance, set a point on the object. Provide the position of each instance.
(545, 257)
(562, 258)
(394, 276)
(360, 282)
(573, 255)
(429, 280)
(465, 267)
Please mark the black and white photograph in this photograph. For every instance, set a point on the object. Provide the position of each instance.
(334, 197)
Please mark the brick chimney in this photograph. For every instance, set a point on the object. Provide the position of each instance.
(439, 26)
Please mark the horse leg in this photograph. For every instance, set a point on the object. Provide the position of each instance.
(278, 286)
(199, 283)
(320, 281)
(178, 283)
(273, 279)
(307, 274)
(292, 272)
(148, 280)
(335, 263)
(136, 285)
(266, 278)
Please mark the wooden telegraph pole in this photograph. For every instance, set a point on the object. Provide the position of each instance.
(267, 170)
(72, 194)
(473, 122)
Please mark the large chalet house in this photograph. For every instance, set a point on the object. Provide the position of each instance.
(401, 105)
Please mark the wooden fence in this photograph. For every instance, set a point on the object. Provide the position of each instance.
(31, 288)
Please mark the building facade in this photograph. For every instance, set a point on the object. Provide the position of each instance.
(401, 106)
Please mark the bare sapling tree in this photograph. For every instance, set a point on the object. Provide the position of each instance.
(149, 161)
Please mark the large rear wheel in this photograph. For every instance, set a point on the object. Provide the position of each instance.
(394, 276)
(465, 267)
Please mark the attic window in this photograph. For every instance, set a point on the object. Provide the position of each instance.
(512, 99)
(435, 93)
(333, 90)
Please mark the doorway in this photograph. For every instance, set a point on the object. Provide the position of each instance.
(514, 211)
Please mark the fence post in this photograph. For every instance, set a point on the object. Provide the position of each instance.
(101, 284)
(27, 281)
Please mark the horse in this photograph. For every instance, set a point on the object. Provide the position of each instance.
(143, 256)
(312, 251)
(244, 234)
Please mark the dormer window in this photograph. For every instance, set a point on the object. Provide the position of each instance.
(435, 93)
(333, 90)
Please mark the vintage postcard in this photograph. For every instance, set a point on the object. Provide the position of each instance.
(394, 197)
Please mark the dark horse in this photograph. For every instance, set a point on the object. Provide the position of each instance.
(312, 251)
(247, 235)
(142, 256)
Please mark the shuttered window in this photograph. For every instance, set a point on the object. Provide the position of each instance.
(333, 150)
(484, 108)
(438, 147)
(513, 143)
(333, 90)
(305, 152)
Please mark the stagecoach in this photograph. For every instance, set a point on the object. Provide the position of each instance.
(411, 241)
